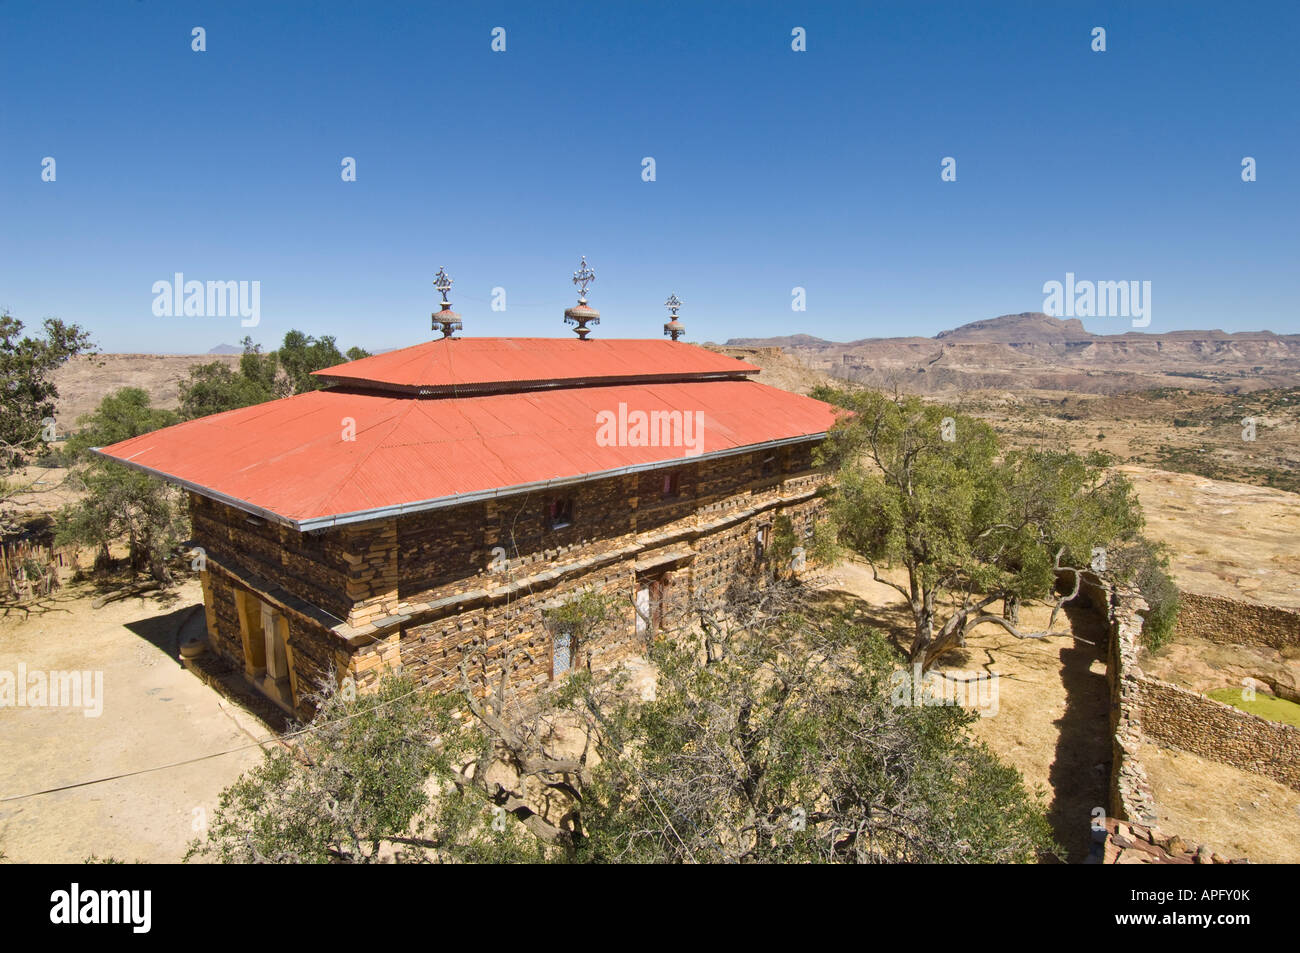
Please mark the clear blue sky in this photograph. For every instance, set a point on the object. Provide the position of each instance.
(775, 169)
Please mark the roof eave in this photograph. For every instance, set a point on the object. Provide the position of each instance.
(442, 502)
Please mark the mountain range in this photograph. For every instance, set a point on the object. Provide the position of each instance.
(1038, 351)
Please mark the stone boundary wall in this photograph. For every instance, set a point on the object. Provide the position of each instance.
(1208, 728)
(1176, 716)
(1131, 797)
(1233, 622)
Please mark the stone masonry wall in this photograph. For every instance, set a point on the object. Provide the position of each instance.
(1211, 729)
(1233, 622)
(512, 622)
(416, 590)
(311, 565)
(1143, 706)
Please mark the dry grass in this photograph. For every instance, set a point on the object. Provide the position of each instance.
(1237, 813)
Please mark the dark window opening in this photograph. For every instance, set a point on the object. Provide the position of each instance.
(559, 512)
(672, 483)
(769, 464)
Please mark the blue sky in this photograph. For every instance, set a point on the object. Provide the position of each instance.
(774, 168)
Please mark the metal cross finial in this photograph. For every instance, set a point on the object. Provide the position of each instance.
(583, 277)
(672, 304)
(442, 281)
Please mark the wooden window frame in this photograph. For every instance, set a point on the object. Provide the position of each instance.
(564, 517)
(671, 488)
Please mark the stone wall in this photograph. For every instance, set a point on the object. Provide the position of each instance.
(1131, 797)
(1233, 622)
(314, 566)
(1193, 722)
(1143, 706)
(509, 621)
(418, 589)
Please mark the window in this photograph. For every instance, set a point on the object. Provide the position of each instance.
(769, 464)
(672, 483)
(559, 512)
(563, 649)
(760, 542)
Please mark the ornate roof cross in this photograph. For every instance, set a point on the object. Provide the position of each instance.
(442, 281)
(674, 328)
(447, 321)
(583, 277)
(581, 315)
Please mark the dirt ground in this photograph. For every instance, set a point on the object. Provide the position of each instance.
(1237, 813)
(154, 713)
(1051, 716)
(1204, 666)
(1197, 516)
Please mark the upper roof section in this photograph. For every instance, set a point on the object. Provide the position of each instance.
(463, 366)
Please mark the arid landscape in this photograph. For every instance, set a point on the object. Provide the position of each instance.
(1213, 457)
(1207, 427)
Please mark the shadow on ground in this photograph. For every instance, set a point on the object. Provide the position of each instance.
(1078, 785)
(163, 631)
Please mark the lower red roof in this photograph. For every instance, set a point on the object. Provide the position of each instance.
(336, 456)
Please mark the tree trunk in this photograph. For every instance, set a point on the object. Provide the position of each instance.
(936, 645)
(924, 617)
(159, 570)
(1011, 609)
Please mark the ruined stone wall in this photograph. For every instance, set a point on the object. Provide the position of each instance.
(1211, 729)
(1143, 706)
(1131, 797)
(1233, 622)
(1117, 842)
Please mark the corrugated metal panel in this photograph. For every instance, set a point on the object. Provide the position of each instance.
(290, 457)
(476, 362)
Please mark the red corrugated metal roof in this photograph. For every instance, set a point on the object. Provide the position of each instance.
(474, 364)
(288, 459)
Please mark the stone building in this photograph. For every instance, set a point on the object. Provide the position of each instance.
(454, 493)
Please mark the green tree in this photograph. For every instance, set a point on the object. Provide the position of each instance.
(262, 375)
(927, 488)
(121, 503)
(214, 388)
(789, 746)
(27, 391)
(1144, 564)
(121, 415)
(28, 394)
(781, 739)
(300, 354)
(355, 786)
(260, 369)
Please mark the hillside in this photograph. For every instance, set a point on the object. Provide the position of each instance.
(84, 381)
(1034, 351)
